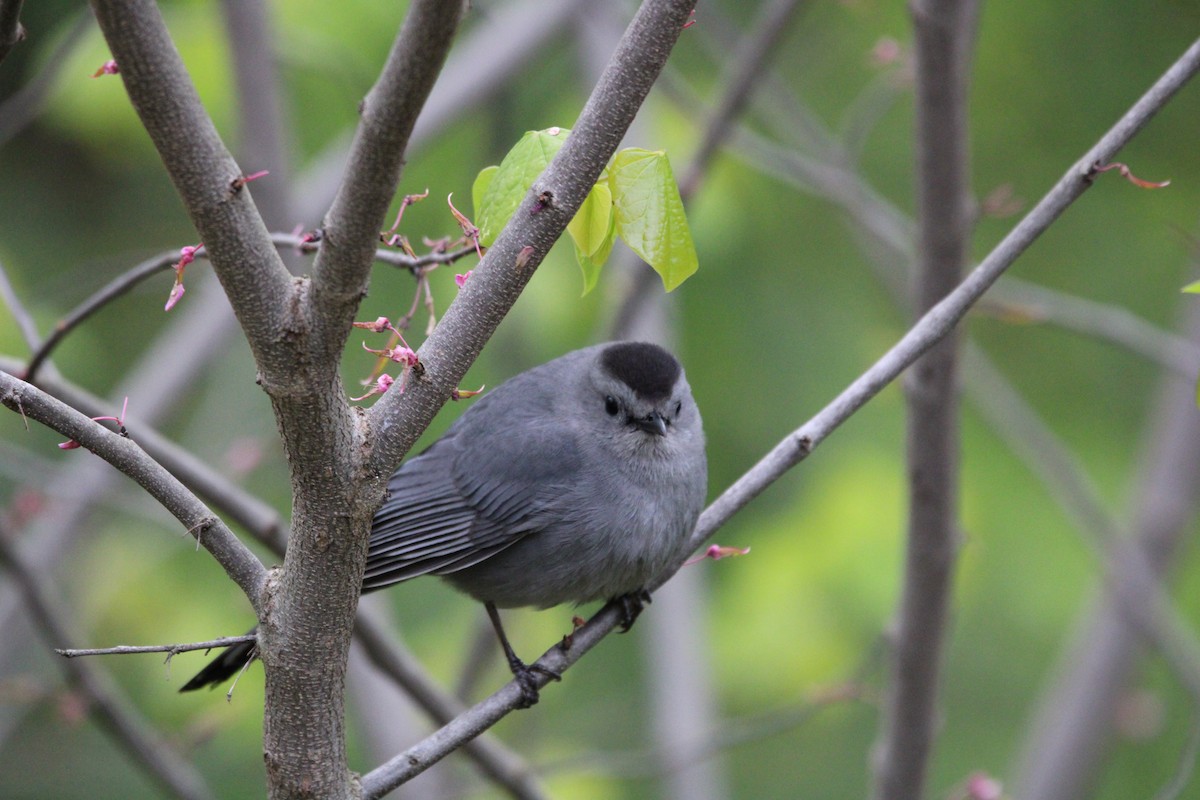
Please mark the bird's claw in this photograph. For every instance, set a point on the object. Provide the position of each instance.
(525, 676)
(630, 606)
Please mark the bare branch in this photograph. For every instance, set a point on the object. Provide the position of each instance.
(943, 316)
(944, 33)
(169, 649)
(505, 768)
(1131, 575)
(934, 325)
(498, 280)
(20, 314)
(114, 289)
(123, 454)
(205, 174)
(749, 60)
(112, 710)
(260, 519)
(745, 67)
(1021, 302)
(1071, 730)
(389, 113)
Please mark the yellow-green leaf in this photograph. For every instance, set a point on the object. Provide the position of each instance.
(511, 180)
(592, 224)
(649, 214)
(593, 262)
(479, 188)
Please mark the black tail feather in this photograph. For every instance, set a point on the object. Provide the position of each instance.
(223, 667)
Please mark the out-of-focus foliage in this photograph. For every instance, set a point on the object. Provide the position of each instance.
(785, 310)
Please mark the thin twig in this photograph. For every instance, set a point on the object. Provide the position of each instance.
(1022, 302)
(204, 174)
(750, 58)
(114, 289)
(234, 502)
(112, 710)
(126, 281)
(170, 649)
(20, 314)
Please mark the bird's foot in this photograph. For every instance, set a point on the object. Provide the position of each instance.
(526, 676)
(630, 606)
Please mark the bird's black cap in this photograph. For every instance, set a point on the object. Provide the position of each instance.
(646, 368)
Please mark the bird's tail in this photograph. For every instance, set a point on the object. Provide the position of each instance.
(223, 667)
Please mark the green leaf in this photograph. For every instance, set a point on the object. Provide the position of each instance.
(1194, 288)
(593, 222)
(479, 188)
(649, 214)
(591, 263)
(512, 179)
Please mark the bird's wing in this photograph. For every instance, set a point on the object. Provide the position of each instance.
(472, 494)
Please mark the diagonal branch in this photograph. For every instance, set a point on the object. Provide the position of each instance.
(389, 113)
(533, 229)
(931, 328)
(940, 319)
(126, 456)
(205, 176)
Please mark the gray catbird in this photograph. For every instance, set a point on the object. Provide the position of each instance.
(575, 481)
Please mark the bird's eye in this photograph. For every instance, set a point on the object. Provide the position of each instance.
(678, 407)
(611, 405)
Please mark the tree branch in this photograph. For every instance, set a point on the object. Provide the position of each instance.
(506, 769)
(944, 315)
(169, 649)
(389, 113)
(204, 174)
(507, 267)
(20, 314)
(1071, 729)
(127, 457)
(932, 326)
(944, 32)
(113, 712)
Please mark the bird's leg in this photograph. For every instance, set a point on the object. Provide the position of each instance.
(631, 605)
(524, 674)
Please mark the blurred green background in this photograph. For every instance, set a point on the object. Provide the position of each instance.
(787, 308)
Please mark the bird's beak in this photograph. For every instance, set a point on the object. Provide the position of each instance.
(652, 423)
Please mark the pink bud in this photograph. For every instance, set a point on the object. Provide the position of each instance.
(460, 280)
(716, 552)
(382, 384)
(981, 786)
(107, 68)
(176, 293)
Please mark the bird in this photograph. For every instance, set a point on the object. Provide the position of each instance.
(575, 481)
